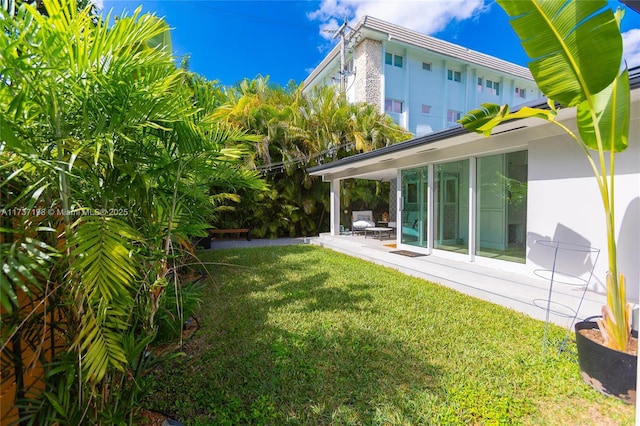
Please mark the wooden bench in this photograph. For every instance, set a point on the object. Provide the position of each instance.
(238, 232)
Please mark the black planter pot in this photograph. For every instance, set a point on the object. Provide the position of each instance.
(606, 370)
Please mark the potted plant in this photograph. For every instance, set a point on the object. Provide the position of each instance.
(575, 48)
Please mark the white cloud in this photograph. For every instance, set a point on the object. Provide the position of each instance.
(631, 42)
(425, 16)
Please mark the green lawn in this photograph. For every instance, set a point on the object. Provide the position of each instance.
(304, 335)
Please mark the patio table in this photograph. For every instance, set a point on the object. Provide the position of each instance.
(379, 231)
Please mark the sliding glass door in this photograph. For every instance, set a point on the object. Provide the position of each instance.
(451, 206)
(415, 185)
(502, 206)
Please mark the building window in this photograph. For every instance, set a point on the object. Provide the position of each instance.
(391, 105)
(454, 75)
(391, 59)
(426, 66)
(493, 87)
(480, 84)
(426, 109)
(521, 92)
(453, 116)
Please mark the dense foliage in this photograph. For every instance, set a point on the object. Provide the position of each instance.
(109, 153)
(113, 160)
(299, 130)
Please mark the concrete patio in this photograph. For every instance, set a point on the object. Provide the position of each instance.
(515, 291)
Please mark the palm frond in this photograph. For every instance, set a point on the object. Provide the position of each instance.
(103, 270)
(25, 265)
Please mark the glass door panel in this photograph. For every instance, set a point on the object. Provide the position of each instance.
(414, 207)
(502, 206)
(451, 206)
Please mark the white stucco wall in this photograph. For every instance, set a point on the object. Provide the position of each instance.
(564, 204)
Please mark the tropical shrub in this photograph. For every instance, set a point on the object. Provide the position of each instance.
(299, 130)
(108, 154)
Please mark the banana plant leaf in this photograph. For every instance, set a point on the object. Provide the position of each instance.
(608, 114)
(488, 116)
(576, 51)
(575, 47)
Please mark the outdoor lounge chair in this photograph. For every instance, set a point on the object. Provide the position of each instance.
(361, 220)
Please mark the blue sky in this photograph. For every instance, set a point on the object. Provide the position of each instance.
(231, 40)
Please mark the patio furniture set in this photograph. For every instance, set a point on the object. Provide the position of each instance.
(362, 223)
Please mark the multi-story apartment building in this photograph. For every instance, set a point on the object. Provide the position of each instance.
(424, 83)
